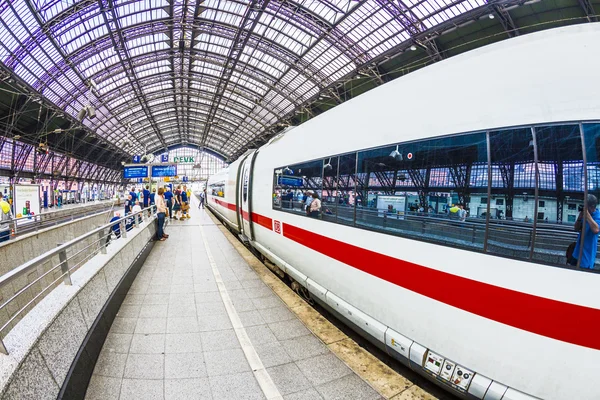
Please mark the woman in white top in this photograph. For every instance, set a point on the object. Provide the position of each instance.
(161, 211)
(315, 206)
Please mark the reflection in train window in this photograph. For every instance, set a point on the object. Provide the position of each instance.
(591, 134)
(293, 183)
(521, 203)
(448, 181)
(560, 164)
(513, 180)
(217, 189)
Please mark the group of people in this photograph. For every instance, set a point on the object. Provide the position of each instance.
(168, 202)
(310, 200)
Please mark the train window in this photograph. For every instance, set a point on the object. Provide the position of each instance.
(560, 168)
(591, 134)
(346, 184)
(292, 183)
(217, 189)
(510, 229)
(429, 189)
(329, 191)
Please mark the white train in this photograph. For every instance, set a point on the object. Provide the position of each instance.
(479, 301)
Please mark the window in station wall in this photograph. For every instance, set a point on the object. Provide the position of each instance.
(512, 163)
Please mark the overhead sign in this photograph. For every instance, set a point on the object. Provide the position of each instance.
(134, 172)
(184, 160)
(136, 159)
(164, 158)
(161, 171)
(289, 180)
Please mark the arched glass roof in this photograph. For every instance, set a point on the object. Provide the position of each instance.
(215, 74)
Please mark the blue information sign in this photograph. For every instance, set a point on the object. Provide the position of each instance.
(136, 159)
(289, 180)
(164, 158)
(135, 172)
(161, 171)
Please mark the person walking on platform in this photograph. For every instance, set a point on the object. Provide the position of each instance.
(133, 194)
(177, 203)
(201, 198)
(168, 196)
(146, 194)
(161, 209)
(5, 217)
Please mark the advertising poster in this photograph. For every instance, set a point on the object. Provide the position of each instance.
(26, 202)
(394, 205)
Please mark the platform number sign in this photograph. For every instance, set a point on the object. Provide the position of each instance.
(277, 226)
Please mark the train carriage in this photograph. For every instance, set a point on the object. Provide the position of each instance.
(481, 302)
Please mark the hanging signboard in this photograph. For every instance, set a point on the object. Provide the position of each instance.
(134, 172)
(26, 201)
(289, 180)
(161, 171)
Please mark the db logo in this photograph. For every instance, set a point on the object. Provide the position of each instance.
(277, 226)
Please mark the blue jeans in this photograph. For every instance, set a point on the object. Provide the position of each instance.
(161, 223)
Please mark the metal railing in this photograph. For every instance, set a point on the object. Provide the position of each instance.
(34, 223)
(56, 266)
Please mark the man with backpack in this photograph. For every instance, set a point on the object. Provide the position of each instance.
(5, 217)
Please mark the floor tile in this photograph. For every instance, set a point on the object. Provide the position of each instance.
(145, 366)
(205, 309)
(142, 389)
(148, 344)
(187, 389)
(251, 318)
(225, 362)
(288, 378)
(207, 297)
(323, 369)
(154, 311)
(288, 329)
(117, 342)
(151, 325)
(219, 340)
(350, 387)
(276, 314)
(123, 325)
(272, 354)
(260, 334)
(184, 365)
(308, 394)
(304, 347)
(183, 343)
(182, 325)
(236, 386)
(214, 322)
(182, 310)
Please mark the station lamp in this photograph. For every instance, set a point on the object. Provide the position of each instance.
(396, 155)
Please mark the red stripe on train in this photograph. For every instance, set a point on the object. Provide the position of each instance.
(555, 319)
(551, 318)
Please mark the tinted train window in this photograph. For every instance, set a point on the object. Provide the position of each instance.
(510, 231)
(217, 189)
(293, 183)
(430, 190)
(560, 166)
(591, 133)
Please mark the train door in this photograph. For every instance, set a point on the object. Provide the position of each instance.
(245, 195)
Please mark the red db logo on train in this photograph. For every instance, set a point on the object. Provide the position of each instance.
(277, 226)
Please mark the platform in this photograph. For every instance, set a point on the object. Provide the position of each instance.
(198, 323)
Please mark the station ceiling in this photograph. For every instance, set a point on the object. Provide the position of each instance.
(224, 75)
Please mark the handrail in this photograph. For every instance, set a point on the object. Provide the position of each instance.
(96, 246)
(50, 216)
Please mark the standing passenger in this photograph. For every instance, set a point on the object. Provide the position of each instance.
(307, 201)
(161, 209)
(315, 206)
(592, 227)
(128, 204)
(168, 195)
(146, 194)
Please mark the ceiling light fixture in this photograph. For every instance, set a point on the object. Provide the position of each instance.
(491, 16)
(413, 47)
(396, 155)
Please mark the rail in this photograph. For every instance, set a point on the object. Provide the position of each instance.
(34, 223)
(57, 265)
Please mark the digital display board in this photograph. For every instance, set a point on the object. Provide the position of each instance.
(161, 171)
(289, 180)
(135, 172)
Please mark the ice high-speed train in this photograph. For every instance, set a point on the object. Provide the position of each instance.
(481, 302)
